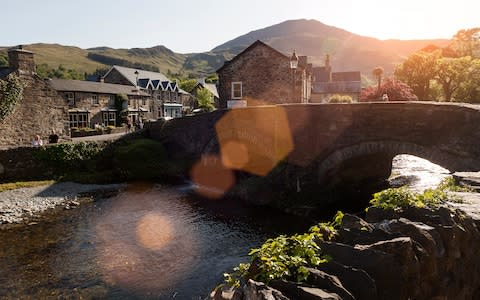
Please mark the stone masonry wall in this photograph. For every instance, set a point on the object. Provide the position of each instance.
(415, 254)
(265, 75)
(40, 110)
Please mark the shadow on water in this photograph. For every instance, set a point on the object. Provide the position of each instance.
(146, 242)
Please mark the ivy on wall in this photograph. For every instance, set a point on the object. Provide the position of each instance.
(11, 92)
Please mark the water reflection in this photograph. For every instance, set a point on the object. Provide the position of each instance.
(148, 242)
(416, 173)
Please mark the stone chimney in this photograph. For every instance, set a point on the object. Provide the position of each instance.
(21, 61)
(303, 61)
(328, 67)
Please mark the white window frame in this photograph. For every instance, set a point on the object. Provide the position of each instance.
(234, 84)
(78, 120)
(95, 99)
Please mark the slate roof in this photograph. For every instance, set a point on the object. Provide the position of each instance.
(67, 85)
(346, 76)
(4, 72)
(336, 87)
(321, 74)
(209, 86)
(129, 74)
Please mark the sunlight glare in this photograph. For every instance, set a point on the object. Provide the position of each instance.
(154, 231)
(211, 178)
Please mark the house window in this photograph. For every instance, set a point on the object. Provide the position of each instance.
(144, 101)
(79, 120)
(111, 101)
(109, 118)
(237, 90)
(94, 99)
(70, 98)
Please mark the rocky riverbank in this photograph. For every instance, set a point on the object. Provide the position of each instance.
(414, 253)
(23, 204)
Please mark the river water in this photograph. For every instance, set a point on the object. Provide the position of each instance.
(148, 242)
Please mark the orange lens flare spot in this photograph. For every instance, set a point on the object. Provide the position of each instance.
(234, 155)
(211, 178)
(154, 231)
(255, 139)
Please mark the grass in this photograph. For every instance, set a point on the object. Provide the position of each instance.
(24, 184)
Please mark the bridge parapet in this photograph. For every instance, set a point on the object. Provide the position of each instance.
(322, 137)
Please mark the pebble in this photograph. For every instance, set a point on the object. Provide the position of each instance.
(16, 205)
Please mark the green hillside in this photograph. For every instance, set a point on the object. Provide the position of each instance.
(348, 51)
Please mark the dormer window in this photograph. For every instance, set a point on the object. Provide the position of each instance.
(237, 90)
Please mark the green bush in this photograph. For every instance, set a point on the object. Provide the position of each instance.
(340, 99)
(286, 257)
(140, 159)
(69, 157)
(402, 198)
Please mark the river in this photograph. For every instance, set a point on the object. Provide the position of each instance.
(150, 241)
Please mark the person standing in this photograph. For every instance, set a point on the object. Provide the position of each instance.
(129, 125)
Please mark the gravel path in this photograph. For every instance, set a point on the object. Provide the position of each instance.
(19, 204)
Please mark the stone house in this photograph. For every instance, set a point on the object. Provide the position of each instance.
(327, 83)
(262, 75)
(203, 85)
(93, 103)
(40, 110)
(168, 99)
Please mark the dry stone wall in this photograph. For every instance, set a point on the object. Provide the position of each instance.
(40, 110)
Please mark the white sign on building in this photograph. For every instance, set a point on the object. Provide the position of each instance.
(236, 103)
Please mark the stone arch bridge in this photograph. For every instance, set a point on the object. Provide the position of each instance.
(329, 144)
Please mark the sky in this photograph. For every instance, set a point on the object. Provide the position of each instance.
(187, 26)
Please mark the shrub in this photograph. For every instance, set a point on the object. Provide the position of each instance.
(140, 159)
(402, 198)
(286, 257)
(68, 157)
(340, 99)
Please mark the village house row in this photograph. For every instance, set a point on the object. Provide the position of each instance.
(258, 75)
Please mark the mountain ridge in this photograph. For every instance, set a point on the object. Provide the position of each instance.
(348, 51)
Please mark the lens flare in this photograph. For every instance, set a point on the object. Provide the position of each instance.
(154, 231)
(211, 178)
(234, 155)
(255, 139)
(142, 248)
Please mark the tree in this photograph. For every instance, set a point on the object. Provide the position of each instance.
(378, 73)
(417, 72)
(469, 89)
(395, 89)
(188, 84)
(451, 73)
(45, 71)
(466, 42)
(205, 99)
(121, 105)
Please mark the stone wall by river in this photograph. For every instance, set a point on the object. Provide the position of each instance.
(417, 254)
